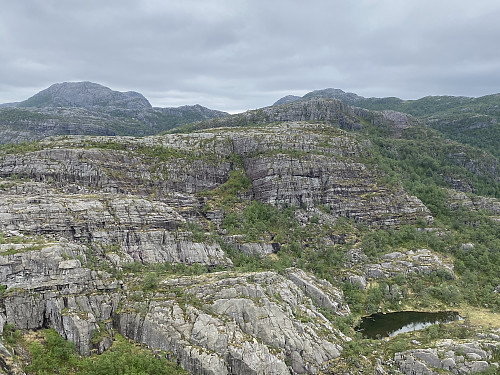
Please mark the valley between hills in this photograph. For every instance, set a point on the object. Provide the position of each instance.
(187, 240)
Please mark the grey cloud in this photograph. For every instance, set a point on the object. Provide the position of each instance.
(239, 54)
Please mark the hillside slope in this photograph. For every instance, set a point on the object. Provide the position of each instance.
(85, 94)
(88, 108)
(252, 245)
(473, 121)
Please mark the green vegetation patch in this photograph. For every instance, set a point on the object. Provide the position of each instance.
(54, 355)
(260, 222)
(21, 148)
(228, 194)
(18, 116)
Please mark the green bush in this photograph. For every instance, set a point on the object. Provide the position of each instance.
(57, 356)
(125, 358)
(151, 281)
(10, 334)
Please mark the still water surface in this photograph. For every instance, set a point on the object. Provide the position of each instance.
(388, 325)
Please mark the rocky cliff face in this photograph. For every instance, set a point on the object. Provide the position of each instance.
(214, 324)
(78, 213)
(472, 121)
(241, 324)
(317, 109)
(293, 164)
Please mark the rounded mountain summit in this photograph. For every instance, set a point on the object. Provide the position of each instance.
(85, 94)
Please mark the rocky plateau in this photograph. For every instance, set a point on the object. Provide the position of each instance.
(103, 234)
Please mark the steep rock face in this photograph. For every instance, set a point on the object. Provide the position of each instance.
(330, 111)
(314, 110)
(479, 163)
(216, 323)
(324, 110)
(473, 202)
(126, 229)
(300, 166)
(243, 324)
(290, 164)
(400, 121)
(102, 169)
(48, 286)
(315, 180)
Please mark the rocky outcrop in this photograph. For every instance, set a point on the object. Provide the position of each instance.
(359, 270)
(51, 285)
(294, 164)
(329, 111)
(448, 357)
(124, 229)
(256, 323)
(315, 289)
(99, 169)
(473, 202)
(301, 167)
(420, 262)
(478, 163)
(400, 121)
(260, 249)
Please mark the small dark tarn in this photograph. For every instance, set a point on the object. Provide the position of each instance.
(381, 325)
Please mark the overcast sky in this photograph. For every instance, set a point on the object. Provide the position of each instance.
(235, 55)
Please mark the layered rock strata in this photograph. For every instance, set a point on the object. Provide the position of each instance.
(74, 211)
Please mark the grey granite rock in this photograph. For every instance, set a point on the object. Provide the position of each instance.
(262, 323)
(245, 324)
(446, 357)
(72, 216)
(421, 261)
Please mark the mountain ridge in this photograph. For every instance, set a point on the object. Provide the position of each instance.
(85, 94)
(410, 106)
(471, 120)
(87, 108)
(249, 244)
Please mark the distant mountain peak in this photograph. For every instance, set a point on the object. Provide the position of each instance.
(329, 93)
(85, 94)
(288, 99)
(347, 97)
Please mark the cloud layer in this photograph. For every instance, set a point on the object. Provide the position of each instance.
(240, 54)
